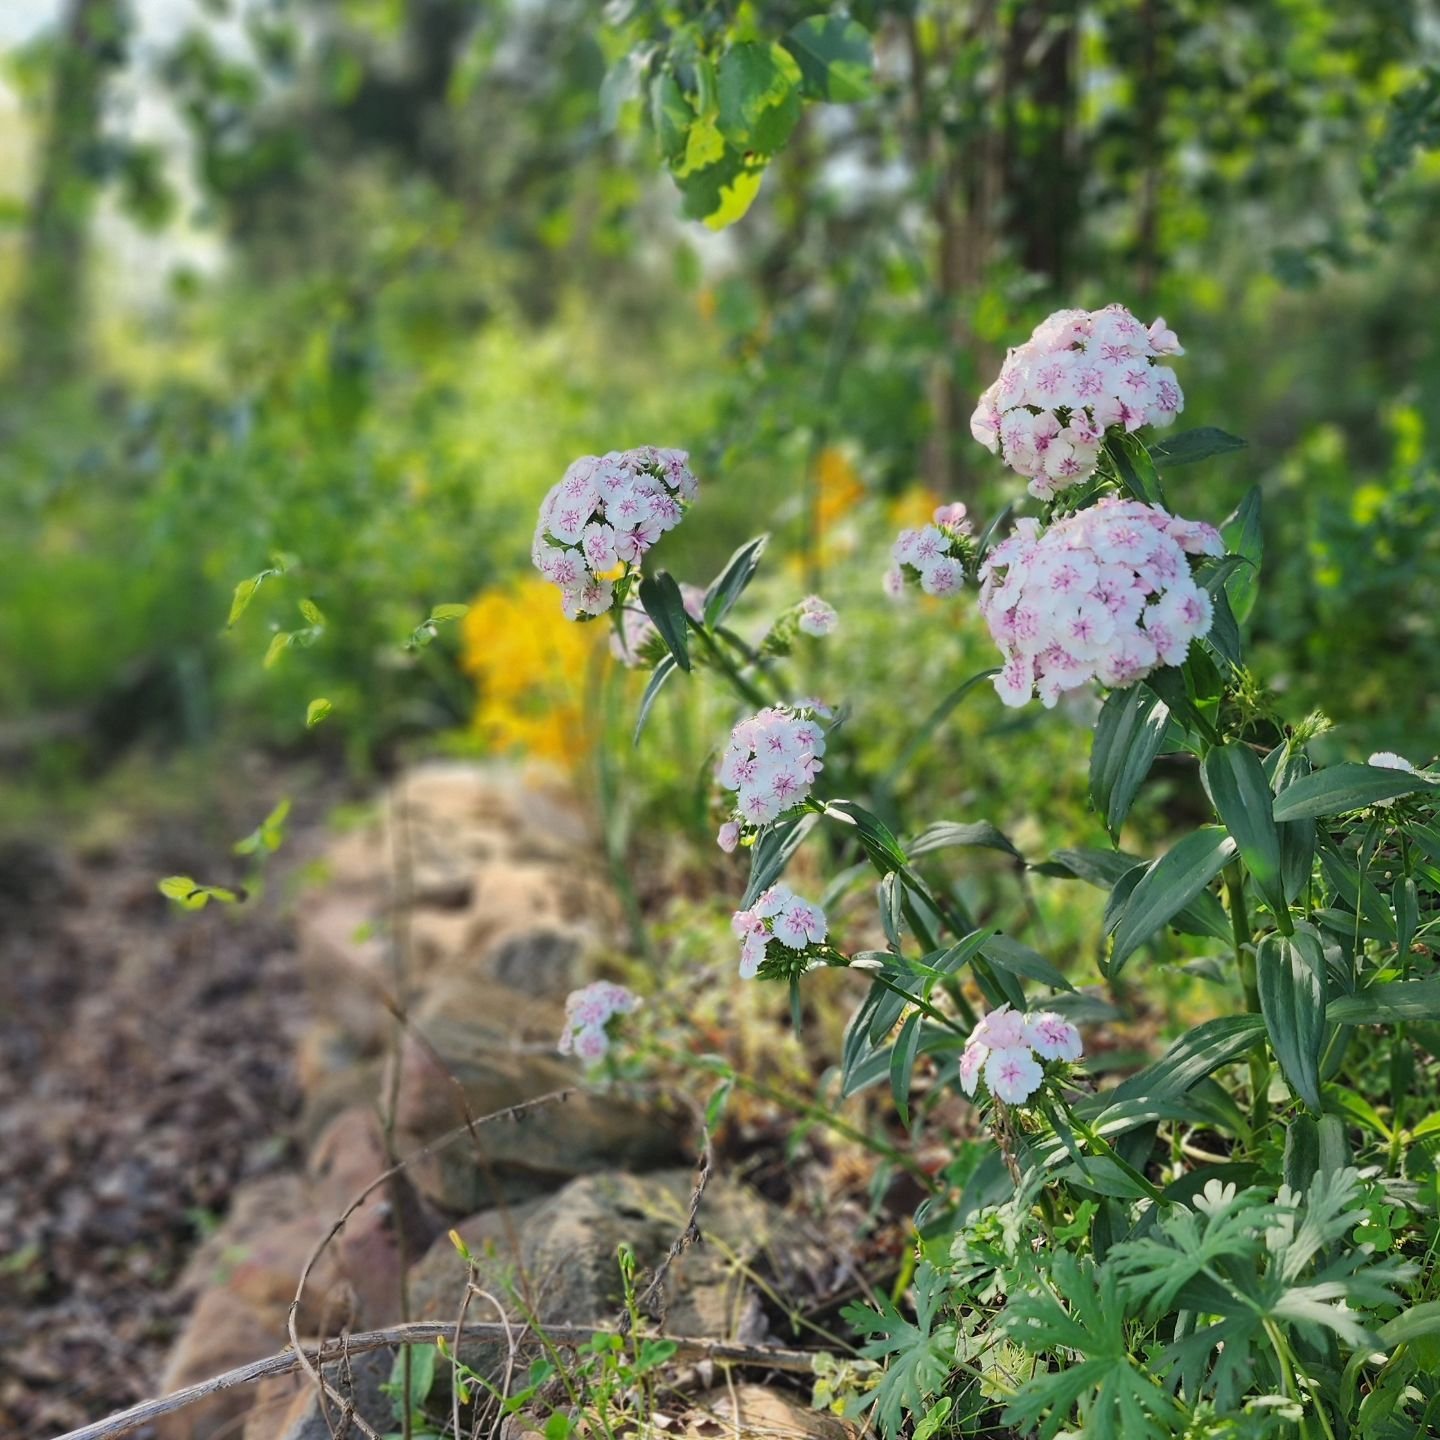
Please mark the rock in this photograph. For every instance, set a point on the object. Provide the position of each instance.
(222, 1333)
(258, 1252)
(538, 962)
(385, 1232)
(289, 1407)
(560, 1254)
(345, 961)
(509, 1159)
(757, 1412)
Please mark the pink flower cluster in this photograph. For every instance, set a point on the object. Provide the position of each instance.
(603, 516)
(932, 556)
(779, 918)
(638, 641)
(1078, 374)
(1104, 594)
(1008, 1048)
(771, 762)
(816, 616)
(587, 1012)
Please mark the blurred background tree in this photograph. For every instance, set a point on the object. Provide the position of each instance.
(348, 282)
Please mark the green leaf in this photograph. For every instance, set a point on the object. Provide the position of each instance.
(902, 1064)
(757, 88)
(719, 192)
(1412, 1324)
(1199, 444)
(1223, 637)
(1134, 467)
(443, 613)
(1244, 537)
(665, 606)
(661, 673)
(312, 612)
(1387, 1001)
(1241, 795)
(875, 837)
(834, 58)
(1290, 974)
(946, 834)
(244, 594)
(1128, 737)
(1105, 869)
(1020, 959)
(1338, 789)
(279, 643)
(729, 585)
(1192, 1057)
(1168, 886)
(191, 895)
(671, 116)
(1297, 837)
(316, 711)
(771, 854)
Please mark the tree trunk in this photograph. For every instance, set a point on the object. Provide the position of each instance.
(52, 305)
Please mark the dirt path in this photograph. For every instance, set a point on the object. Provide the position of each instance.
(145, 1071)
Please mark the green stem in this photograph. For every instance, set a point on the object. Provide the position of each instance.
(726, 666)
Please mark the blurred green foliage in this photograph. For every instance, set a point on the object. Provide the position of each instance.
(453, 261)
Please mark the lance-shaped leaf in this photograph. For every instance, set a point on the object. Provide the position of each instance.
(1128, 737)
(729, 585)
(1290, 975)
(1168, 886)
(771, 854)
(661, 673)
(1241, 795)
(1389, 1001)
(1191, 445)
(1204, 915)
(948, 833)
(665, 606)
(1243, 537)
(1192, 1057)
(1341, 788)
(1297, 837)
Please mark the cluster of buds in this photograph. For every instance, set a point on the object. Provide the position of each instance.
(935, 556)
(811, 616)
(771, 762)
(778, 935)
(597, 524)
(1009, 1050)
(1079, 374)
(587, 1012)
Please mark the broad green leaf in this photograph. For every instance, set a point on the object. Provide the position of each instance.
(316, 711)
(279, 643)
(949, 833)
(1199, 444)
(729, 585)
(757, 86)
(1339, 789)
(1106, 868)
(1244, 537)
(834, 58)
(665, 606)
(1297, 837)
(1192, 1057)
(1290, 975)
(1223, 636)
(1128, 737)
(1241, 795)
(1387, 1001)
(671, 116)
(1302, 1153)
(1412, 1324)
(312, 612)
(662, 672)
(1168, 886)
(721, 191)
(244, 594)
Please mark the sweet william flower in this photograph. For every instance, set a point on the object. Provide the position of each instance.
(1105, 594)
(603, 516)
(781, 928)
(1008, 1049)
(1079, 374)
(816, 617)
(932, 556)
(587, 1012)
(771, 762)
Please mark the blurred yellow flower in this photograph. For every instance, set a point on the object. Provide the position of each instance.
(913, 509)
(530, 666)
(838, 482)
